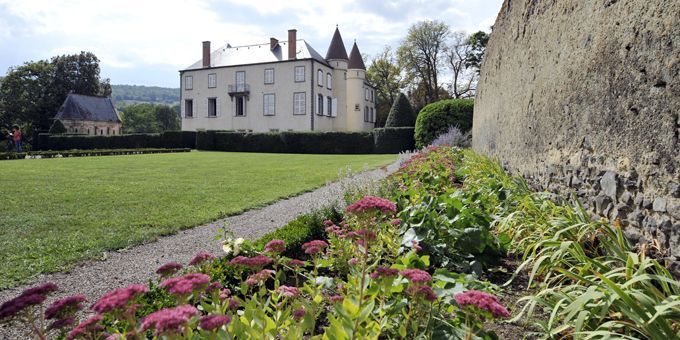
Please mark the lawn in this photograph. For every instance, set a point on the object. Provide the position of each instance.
(56, 212)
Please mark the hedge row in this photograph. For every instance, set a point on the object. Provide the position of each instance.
(168, 139)
(84, 153)
(387, 140)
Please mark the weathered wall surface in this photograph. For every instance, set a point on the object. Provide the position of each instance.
(584, 96)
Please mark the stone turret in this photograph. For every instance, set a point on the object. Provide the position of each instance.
(356, 77)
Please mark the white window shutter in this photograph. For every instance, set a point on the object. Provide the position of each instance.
(334, 111)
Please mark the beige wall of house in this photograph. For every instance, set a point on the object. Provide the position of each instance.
(284, 89)
(89, 127)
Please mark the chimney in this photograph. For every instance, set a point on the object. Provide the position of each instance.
(273, 42)
(292, 44)
(206, 54)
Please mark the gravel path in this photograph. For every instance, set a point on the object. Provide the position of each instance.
(138, 264)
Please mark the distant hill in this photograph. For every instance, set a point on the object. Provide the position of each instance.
(124, 95)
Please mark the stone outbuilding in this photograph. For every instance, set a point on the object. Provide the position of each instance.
(89, 115)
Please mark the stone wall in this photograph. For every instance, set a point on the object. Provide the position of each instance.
(583, 96)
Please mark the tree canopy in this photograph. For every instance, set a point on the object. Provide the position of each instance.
(149, 118)
(401, 113)
(386, 75)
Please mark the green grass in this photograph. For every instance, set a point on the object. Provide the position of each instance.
(55, 212)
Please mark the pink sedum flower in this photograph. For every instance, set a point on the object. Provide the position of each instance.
(257, 261)
(62, 323)
(299, 314)
(396, 222)
(200, 258)
(314, 247)
(213, 322)
(416, 246)
(372, 203)
(259, 277)
(118, 299)
(87, 327)
(288, 291)
(416, 275)
(296, 263)
(384, 272)
(275, 246)
(169, 268)
(422, 291)
(336, 298)
(64, 307)
(483, 301)
(185, 285)
(169, 320)
(234, 303)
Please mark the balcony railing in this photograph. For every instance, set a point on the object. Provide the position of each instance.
(238, 89)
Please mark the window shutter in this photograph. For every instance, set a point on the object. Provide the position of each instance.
(334, 112)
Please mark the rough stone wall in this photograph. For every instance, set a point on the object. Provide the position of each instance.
(584, 96)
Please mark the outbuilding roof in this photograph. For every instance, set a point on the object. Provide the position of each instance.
(82, 107)
(228, 55)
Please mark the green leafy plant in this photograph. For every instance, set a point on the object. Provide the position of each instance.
(434, 119)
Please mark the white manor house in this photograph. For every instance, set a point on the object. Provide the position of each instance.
(279, 86)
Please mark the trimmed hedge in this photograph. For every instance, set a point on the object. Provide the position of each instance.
(393, 140)
(168, 139)
(435, 119)
(401, 113)
(85, 153)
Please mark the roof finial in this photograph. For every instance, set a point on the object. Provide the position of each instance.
(336, 25)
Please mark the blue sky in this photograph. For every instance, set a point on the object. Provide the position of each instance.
(145, 42)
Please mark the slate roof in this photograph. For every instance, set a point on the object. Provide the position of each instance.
(355, 59)
(337, 50)
(255, 54)
(81, 107)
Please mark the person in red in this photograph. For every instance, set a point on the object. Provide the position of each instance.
(16, 138)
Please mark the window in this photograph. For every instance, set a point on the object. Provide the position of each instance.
(329, 81)
(319, 77)
(334, 107)
(357, 107)
(240, 81)
(188, 83)
(299, 74)
(212, 80)
(366, 118)
(319, 105)
(372, 116)
(240, 106)
(299, 103)
(188, 108)
(108, 131)
(212, 107)
(372, 98)
(269, 104)
(367, 93)
(269, 76)
(329, 102)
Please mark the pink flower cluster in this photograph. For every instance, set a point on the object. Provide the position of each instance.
(296, 263)
(299, 314)
(372, 203)
(200, 258)
(483, 301)
(314, 247)
(275, 246)
(335, 298)
(362, 236)
(337, 230)
(29, 297)
(169, 268)
(288, 291)
(118, 299)
(185, 285)
(257, 261)
(416, 275)
(422, 291)
(259, 277)
(87, 327)
(212, 322)
(381, 272)
(64, 307)
(169, 320)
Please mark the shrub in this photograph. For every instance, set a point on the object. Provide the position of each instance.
(393, 140)
(401, 114)
(288, 142)
(178, 139)
(434, 119)
(453, 137)
(57, 127)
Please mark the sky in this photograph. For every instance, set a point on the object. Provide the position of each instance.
(146, 42)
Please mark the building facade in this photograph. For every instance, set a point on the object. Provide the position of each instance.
(89, 115)
(280, 86)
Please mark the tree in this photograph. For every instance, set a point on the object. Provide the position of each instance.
(33, 92)
(401, 113)
(168, 118)
(421, 54)
(463, 79)
(475, 55)
(386, 75)
(57, 127)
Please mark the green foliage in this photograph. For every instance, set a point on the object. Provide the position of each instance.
(167, 139)
(57, 127)
(393, 140)
(150, 118)
(385, 74)
(125, 95)
(478, 42)
(288, 142)
(401, 114)
(435, 119)
(33, 92)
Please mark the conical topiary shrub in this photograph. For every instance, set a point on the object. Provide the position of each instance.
(57, 128)
(401, 113)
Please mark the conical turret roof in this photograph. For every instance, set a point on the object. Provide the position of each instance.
(337, 48)
(355, 59)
